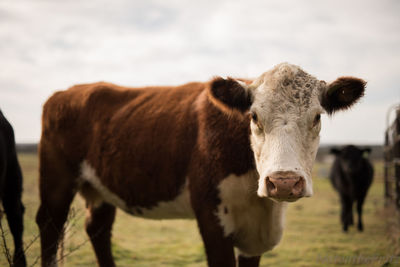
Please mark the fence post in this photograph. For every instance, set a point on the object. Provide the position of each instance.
(392, 158)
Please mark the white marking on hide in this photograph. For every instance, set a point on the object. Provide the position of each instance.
(88, 174)
(255, 223)
(178, 208)
(262, 188)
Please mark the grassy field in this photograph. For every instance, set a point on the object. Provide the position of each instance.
(312, 237)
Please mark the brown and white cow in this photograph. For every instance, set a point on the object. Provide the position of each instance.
(227, 152)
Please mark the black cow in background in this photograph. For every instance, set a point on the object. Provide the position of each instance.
(351, 175)
(11, 188)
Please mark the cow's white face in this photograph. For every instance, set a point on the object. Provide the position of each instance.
(285, 105)
(285, 125)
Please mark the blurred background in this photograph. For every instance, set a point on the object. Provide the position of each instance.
(47, 46)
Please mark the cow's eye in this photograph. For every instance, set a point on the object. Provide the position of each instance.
(317, 119)
(254, 117)
(255, 120)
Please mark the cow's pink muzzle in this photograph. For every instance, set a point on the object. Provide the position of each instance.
(285, 186)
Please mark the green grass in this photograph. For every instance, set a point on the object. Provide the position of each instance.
(312, 236)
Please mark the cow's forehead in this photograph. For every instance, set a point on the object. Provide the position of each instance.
(287, 86)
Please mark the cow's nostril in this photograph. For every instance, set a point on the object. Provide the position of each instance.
(299, 185)
(270, 185)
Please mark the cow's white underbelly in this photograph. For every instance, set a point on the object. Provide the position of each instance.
(255, 223)
(178, 208)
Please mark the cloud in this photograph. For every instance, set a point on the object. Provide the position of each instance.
(50, 45)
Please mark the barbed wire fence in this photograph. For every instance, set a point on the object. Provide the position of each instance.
(64, 251)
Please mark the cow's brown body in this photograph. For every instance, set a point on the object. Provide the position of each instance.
(144, 144)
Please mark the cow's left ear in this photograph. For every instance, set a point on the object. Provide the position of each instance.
(229, 95)
(342, 94)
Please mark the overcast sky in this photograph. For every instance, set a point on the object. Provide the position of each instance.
(50, 45)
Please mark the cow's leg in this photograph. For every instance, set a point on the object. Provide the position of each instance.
(249, 261)
(57, 186)
(360, 202)
(219, 248)
(351, 219)
(98, 226)
(347, 212)
(14, 209)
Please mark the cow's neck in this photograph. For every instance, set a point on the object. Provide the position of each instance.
(225, 138)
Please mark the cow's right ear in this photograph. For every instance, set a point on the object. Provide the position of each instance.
(342, 94)
(230, 95)
(335, 151)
